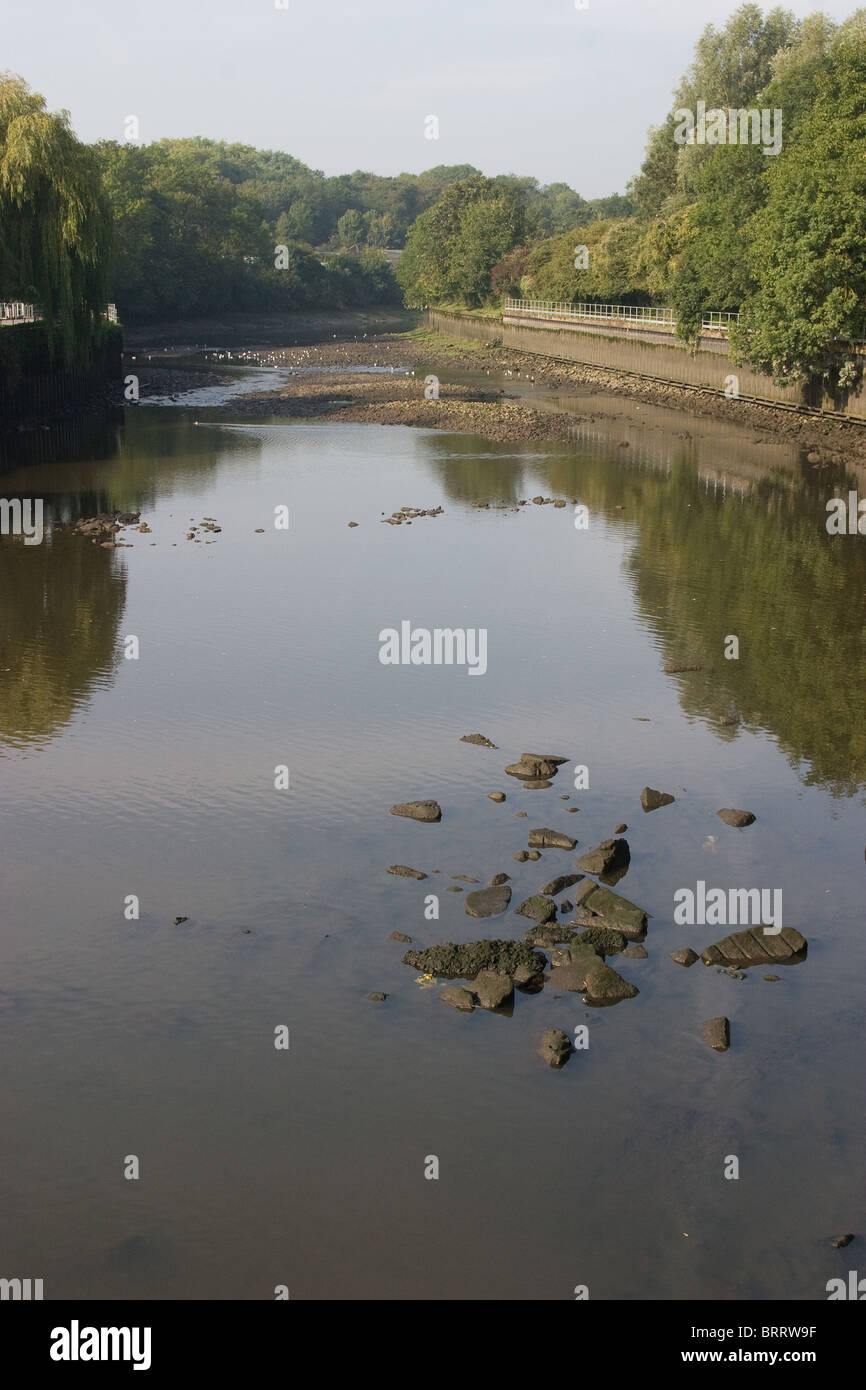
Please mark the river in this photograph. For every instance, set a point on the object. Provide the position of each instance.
(153, 778)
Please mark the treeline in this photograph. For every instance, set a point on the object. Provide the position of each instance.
(198, 223)
(712, 224)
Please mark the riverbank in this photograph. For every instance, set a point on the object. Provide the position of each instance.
(397, 397)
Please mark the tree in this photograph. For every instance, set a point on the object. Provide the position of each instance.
(55, 222)
(807, 245)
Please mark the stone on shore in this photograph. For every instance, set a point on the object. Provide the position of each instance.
(651, 800)
(487, 902)
(717, 1032)
(418, 810)
(736, 818)
(400, 936)
(496, 796)
(550, 839)
(480, 739)
(403, 871)
(755, 947)
(499, 878)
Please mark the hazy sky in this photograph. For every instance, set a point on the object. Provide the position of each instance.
(537, 88)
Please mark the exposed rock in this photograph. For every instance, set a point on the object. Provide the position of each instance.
(178, 921)
(754, 947)
(487, 902)
(737, 818)
(839, 1242)
(620, 829)
(550, 839)
(521, 856)
(466, 878)
(496, 796)
(610, 854)
(774, 979)
(717, 1032)
(399, 936)
(499, 878)
(454, 888)
(605, 986)
(460, 998)
(543, 758)
(418, 810)
(651, 800)
(536, 784)
(377, 997)
(539, 908)
(479, 739)
(607, 940)
(465, 961)
(549, 934)
(568, 977)
(492, 989)
(527, 979)
(612, 910)
(556, 1047)
(559, 884)
(533, 855)
(566, 906)
(532, 769)
(636, 952)
(685, 956)
(403, 871)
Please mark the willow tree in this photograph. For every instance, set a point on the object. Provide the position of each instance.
(55, 221)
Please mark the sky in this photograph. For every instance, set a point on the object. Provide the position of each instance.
(540, 88)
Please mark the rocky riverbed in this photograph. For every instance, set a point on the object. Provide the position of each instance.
(388, 389)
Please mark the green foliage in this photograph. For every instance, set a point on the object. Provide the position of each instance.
(807, 244)
(55, 224)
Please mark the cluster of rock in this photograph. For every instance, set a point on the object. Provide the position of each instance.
(103, 528)
(572, 956)
(409, 514)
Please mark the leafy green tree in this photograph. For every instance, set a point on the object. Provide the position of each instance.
(807, 245)
(55, 222)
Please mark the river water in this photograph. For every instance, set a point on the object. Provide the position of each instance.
(304, 1167)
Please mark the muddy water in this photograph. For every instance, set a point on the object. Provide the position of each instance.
(155, 777)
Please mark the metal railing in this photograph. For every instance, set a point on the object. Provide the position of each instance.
(651, 316)
(16, 312)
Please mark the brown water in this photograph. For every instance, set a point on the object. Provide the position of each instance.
(155, 777)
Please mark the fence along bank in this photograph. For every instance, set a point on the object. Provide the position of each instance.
(644, 345)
